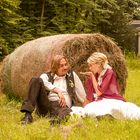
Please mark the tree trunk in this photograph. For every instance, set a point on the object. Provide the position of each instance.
(42, 15)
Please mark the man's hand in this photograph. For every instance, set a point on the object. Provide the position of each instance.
(86, 101)
(62, 101)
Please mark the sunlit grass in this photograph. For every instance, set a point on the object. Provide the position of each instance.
(133, 86)
(75, 128)
(133, 83)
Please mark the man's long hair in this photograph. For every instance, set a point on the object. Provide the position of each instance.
(55, 64)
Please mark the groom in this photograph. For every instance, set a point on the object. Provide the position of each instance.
(54, 92)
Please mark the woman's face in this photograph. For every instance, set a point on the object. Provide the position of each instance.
(94, 67)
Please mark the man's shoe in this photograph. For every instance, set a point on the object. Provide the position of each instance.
(54, 122)
(27, 119)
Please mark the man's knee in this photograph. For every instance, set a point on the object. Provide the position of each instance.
(27, 107)
(64, 112)
(35, 80)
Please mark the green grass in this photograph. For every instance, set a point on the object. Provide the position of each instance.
(75, 128)
(133, 82)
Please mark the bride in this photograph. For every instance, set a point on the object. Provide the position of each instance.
(103, 96)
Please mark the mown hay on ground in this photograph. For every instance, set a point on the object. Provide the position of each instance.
(34, 57)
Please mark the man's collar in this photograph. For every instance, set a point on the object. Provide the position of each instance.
(58, 77)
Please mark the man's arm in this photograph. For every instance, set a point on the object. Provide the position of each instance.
(49, 86)
(86, 101)
(61, 96)
(79, 88)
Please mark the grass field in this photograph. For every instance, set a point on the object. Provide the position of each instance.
(75, 128)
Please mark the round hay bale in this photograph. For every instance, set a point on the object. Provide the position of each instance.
(0, 78)
(34, 57)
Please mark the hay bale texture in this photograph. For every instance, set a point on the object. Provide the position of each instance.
(34, 57)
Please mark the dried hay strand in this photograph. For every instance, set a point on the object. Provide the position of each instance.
(80, 48)
(34, 57)
(0, 78)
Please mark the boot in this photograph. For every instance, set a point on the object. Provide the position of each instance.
(54, 121)
(27, 118)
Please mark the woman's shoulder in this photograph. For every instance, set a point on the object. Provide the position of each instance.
(110, 72)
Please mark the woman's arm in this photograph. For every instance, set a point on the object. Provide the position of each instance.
(95, 85)
(94, 82)
(100, 89)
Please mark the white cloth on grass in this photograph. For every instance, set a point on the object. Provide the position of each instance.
(117, 108)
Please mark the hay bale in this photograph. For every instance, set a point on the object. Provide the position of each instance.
(33, 58)
(0, 79)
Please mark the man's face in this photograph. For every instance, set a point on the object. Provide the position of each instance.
(63, 68)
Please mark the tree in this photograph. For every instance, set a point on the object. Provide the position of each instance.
(23, 20)
(81, 16)
(119, 24)
(8, 20)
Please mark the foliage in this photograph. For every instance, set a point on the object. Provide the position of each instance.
(3, 47)
(81, 17)
(8, 22)
(23, 20)
(119, 27)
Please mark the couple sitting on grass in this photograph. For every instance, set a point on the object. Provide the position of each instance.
(56, 93)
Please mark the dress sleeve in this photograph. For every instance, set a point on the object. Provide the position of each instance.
(79, 89)
(106, 82)
(89, 89)
(48, 85)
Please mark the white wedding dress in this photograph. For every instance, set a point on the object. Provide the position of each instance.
(117, 108)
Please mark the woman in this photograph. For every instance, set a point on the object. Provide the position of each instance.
(102, 88)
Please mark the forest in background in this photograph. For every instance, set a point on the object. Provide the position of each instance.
(24, 20)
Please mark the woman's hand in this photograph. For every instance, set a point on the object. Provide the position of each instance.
(88, 73)
(94, 81)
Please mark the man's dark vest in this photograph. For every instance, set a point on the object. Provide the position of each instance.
(70, 85)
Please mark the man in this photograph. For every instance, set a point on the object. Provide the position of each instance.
(53, 93)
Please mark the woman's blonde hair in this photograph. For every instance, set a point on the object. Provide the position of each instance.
(98, 57)
(55, 63)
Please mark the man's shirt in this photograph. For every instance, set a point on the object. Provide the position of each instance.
(60, 82)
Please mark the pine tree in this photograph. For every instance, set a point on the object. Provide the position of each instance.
(8, 22)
